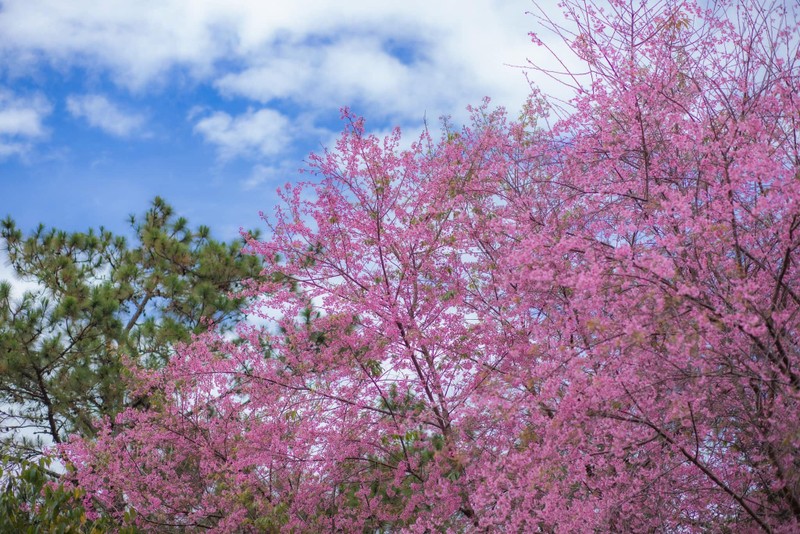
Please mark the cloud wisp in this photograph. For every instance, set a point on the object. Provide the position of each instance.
(21, 122)
(99, 112)
(254, 133)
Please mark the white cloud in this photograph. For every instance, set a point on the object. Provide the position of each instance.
(344, 72)
(252, 134)
(277, 76)
(259, 175)
(101, 113)
(137, 41)
(313, 52)
(21, 122)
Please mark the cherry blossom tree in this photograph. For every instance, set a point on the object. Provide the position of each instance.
(585, 319)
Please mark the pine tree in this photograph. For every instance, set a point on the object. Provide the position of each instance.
(103, 303)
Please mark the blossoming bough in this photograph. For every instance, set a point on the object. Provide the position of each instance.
(588, 326)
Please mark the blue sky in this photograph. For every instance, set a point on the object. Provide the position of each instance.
(214, 104)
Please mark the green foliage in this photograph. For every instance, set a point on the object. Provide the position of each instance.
(99, 299)
(31, 503)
